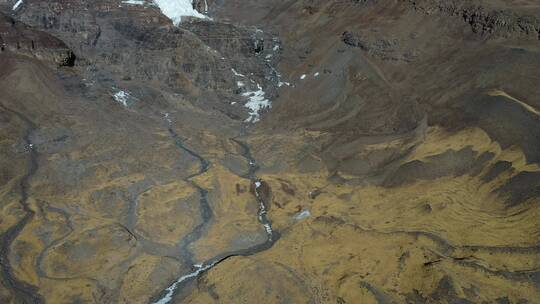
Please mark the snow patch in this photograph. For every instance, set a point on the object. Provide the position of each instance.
(237, 74)
(268, 229)
(17, 4)
(302, 215)
(282, 83)
(134, 2)
(168, 118)
(257, 102)
(176, 9)
(122, 97)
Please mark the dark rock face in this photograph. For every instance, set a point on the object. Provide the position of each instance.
(17, 37)
(115, 41)
(484, 20)
(202, 6)
(386, 49)
(250, 50)
(113, 35)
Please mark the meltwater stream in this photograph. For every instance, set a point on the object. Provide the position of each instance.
(168, 294)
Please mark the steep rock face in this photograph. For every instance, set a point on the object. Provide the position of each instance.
(201, 6)
(499, 20)
(17, 37)
(117, 42)
(115, 35)
(249, 51)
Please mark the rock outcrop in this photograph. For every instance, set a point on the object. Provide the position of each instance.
(116, 41)
(483, 19)
(17, 37)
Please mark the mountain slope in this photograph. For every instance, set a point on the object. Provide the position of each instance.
(275, 152)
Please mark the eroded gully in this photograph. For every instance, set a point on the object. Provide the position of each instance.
(168, 294)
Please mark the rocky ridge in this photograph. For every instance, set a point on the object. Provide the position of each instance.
(483, 19)
(19, 38)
